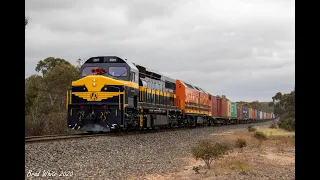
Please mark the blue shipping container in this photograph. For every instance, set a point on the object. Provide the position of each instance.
(258, 114)
(245, 112)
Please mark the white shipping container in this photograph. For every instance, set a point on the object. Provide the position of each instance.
(261, 117)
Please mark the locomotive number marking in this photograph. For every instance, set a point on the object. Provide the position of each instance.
(94, 96)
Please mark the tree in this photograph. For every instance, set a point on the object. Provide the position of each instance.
(32, 91)
(49, 63)
(59, 79)
(283, 103)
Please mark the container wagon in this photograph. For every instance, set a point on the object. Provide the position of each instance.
(245, 114)
(239, 112)
(254, 114)
(234, 113)
(214, 106)
(258, 115)
(221, 111)
(250, 115)
(228, 110)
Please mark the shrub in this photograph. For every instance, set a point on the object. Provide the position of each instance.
(260, 136)
(251, 129)
(240, 143)
(208, 152)
(287, 123)
(273, 126)
(196, 169)
(52, 123)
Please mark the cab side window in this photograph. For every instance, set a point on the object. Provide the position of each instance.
(132, 76)
(136, 78)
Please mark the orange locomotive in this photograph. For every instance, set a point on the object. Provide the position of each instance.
(194, 102)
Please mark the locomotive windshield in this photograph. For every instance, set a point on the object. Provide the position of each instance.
(88, 70)
(115, 71)
(118, 71)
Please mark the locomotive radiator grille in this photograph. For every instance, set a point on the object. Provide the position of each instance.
(96, 96)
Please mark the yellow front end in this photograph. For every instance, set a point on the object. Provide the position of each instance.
(96, 83)
(99, 100)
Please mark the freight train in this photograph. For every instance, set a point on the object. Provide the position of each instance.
(114, 94)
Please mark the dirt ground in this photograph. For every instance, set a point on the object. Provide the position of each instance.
(273, 159)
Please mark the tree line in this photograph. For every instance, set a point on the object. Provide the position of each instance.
(45, 96)
(284, 107)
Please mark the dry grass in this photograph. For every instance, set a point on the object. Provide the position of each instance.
(274, 154)
(279, 138)
(276, 138)
(232, 163)
(276, 132)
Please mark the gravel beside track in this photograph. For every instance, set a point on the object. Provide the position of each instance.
(106, 157)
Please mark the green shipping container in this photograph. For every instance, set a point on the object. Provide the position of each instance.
(234, 110)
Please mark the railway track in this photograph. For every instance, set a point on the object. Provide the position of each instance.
(58, 137)
(34, 139)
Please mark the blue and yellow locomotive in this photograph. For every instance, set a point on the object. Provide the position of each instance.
(115, 94)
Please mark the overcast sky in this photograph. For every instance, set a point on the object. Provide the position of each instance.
(244, 49)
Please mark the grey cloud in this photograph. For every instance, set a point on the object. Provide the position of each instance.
(243, 51)
(40, 6)
(144, 9)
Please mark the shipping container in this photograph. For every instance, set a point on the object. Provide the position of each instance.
(239, 111)
(258, 114)
(228, 108)
(214, 106)
(253, 113)
(222, 107)
(245, 112)
(234, 110)
(250, 113)
(264, 115)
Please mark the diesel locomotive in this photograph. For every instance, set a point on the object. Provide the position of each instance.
(114, 94)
